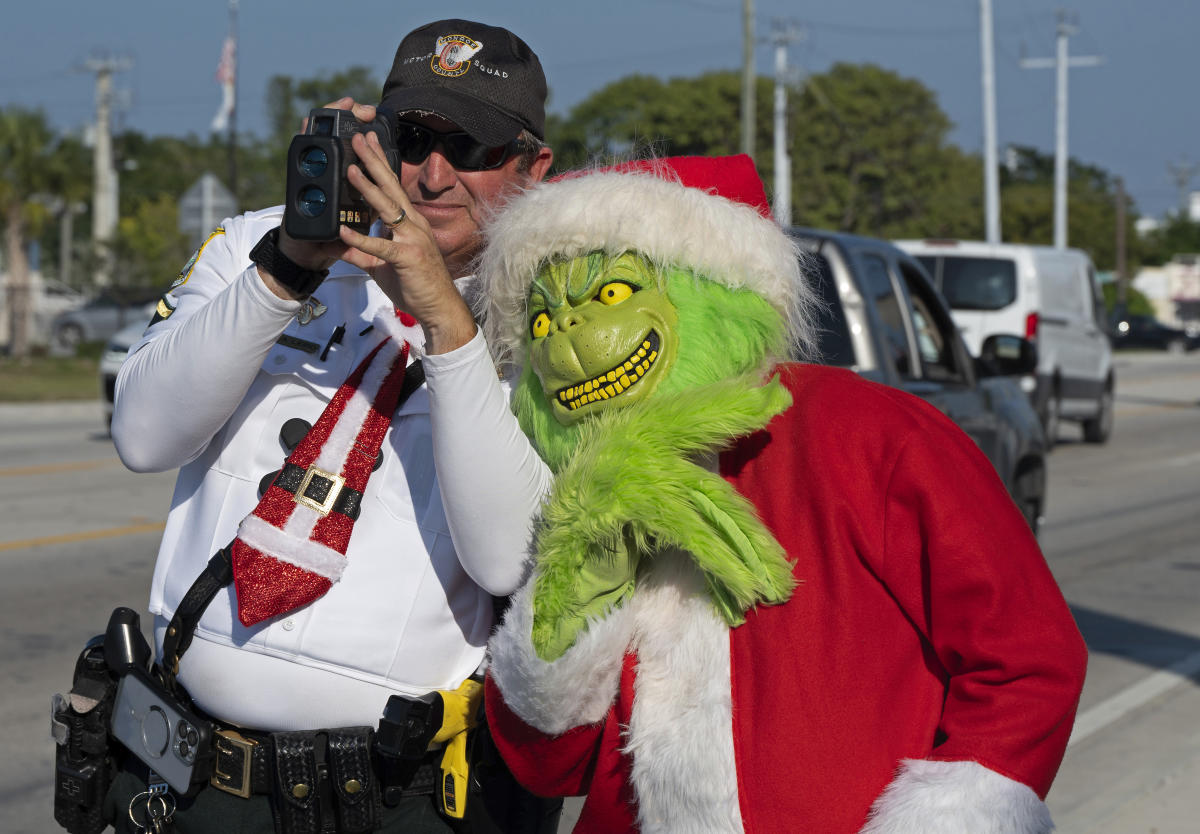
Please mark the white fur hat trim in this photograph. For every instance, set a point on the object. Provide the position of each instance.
(661, 219)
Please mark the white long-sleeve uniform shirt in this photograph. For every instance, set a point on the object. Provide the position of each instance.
(208, 390)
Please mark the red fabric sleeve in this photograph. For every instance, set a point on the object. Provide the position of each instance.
(961, 562)
(586, 759)
(547, 765)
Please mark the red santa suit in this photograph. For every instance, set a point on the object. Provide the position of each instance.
(922, 678)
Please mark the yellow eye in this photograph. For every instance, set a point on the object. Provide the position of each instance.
(614, 292)
(540, 325)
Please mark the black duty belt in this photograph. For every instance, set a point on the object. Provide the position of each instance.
(294, 764)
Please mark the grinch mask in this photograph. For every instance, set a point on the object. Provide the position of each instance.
(602, 333)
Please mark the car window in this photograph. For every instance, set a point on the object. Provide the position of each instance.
(879, 289)
(978, 283)
(934, 331)
(931, 265)
(833, 335)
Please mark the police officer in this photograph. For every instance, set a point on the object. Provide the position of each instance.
(258, 333)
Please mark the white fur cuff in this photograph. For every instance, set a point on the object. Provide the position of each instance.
(576, 689)
(929, 797)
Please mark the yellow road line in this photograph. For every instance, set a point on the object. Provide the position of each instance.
(44, 469)
(86, 535)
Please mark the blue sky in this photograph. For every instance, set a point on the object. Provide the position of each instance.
(1135, 115)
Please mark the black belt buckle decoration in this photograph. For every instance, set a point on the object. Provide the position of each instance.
(319, 490)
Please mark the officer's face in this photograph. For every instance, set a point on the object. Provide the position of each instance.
(453, 200)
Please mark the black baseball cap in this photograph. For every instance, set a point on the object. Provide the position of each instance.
(483, 78)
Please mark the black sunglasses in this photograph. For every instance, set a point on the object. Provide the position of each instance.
(416, 142)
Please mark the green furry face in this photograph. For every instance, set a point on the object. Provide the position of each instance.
(603, 333)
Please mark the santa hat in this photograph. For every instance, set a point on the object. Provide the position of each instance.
(708, 214)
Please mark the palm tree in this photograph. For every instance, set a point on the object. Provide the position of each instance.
(26, 169)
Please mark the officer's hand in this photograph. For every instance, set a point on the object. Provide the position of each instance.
(362, 112)
(406, 263)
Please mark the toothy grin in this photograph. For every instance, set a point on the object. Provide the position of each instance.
(611, 383)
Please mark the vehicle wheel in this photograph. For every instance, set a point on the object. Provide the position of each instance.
(1050, 419)
(1097, 429)
(69, 336)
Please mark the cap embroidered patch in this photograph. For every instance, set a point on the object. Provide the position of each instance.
(452, 55)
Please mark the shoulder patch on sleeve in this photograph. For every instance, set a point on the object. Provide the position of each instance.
(163, 310)
(186, 272)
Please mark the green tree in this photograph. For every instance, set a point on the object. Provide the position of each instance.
(1179, 235)
(869, 155)
(155, 172)
(1027, 207)
(1135, 300)
(289, 100)
(70, 188)
(28, 171)
(149, 247)
(639, 114)
(868, 147)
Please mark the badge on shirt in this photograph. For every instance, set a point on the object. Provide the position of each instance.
(310, 309)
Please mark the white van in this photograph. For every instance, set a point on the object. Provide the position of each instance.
(1047, 295)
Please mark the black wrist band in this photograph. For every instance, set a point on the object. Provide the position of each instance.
(303, 282)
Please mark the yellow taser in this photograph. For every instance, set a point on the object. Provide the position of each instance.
(459, 711)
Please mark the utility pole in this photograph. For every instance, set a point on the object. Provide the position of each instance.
(1122, 276)
(783, 35)
(748, 85)
(991, 174)
(66, 239)
(1061, 63)
(1182, 173)
(104, 172)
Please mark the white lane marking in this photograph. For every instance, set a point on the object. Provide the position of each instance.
(1109, 710)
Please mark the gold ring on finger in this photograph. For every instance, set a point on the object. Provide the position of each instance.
(394, 223)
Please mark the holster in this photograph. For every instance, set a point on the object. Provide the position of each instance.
(83, 764)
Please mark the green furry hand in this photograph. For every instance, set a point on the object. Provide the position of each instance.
(601, 583)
